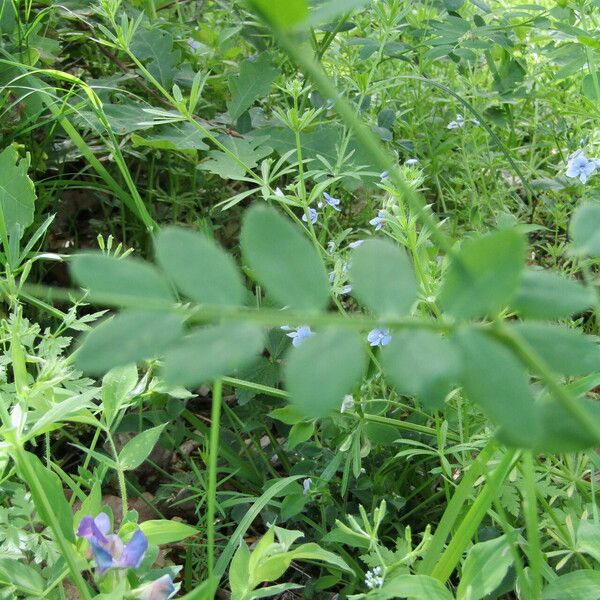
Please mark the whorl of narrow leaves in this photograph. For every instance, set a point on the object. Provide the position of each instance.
(283, 260)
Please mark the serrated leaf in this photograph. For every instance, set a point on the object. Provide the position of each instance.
(247, 152)
(120, 281)
(199, 267)
(212, 352)
(253, 81)
(495, 380)
(137, 450)
(178, 136)
(485, 274)
(284, 260)
(154, 47)
(17, 192)
(423, 364)
(321, 371)
(127, 338)
(585, 229)
(383, 279)
(548, 295)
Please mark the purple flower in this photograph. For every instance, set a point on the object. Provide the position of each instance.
(159, 589)
(306, 485)
(356, 244)
(314, 215)
(378, 220)
(346, 290)
(580, 166)
(384, 175)
(109, 550)
(298, 335)
(333, 202)
(193, 44)
(379, 337)
(458, 123)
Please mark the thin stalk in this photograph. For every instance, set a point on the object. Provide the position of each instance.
(534, 549)
(213, 451)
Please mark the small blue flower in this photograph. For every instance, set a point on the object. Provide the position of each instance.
(458, 123)
(379, 337)
(193, 44)
(306, 485)
(411, 162)
(378, 220)
(346, 290)
(333, 202)
(109, 550)
(356, 244)
(298, 335)
(580, 166)
(314, 215)
(384, 175)
(374, 578)
(347, 404)
(159, 589)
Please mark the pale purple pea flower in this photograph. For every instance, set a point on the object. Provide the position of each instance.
(379, 337)
(378, 220)
(457, 123)
(411, 162)
(333, 202)
(193, 44)
(347, 404)
(108, 548)
(356, 244)
(306, 485)
(159, 589)
(298, 335)
(580, 166)
(346, 290)
(384, 175)
(314, 215)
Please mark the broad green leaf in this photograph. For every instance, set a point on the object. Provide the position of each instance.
(25, 578)
(239, 570)
(485, 274)
(484, 569)
(137, 449)
(585, 229)
(178, 136)
(383, 279)
(54, 498)
(321, 371)
(272, 590)
(199, 267)
(415, 587)
(154, 47)
(253, 82)
(588, 539)
(312, 551)
(121, 118)
(566, 351)
(284, 260)
(116, 384)
(300, 432)
(548, 295)
(559, 431)
(423, 364)
(284, 15)
(48, 419)
(17, 192)
(327, 11)
(495, 380)
(129, 337)
(243, 153)
(120, 281)
(578, 585)
(164, 531)
(211, 352)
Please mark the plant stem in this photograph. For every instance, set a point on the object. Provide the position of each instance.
(534, 550)
(215, 416)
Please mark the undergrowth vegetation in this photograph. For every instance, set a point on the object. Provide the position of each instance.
(300, 299)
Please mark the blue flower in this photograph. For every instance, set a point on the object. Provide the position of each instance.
(580, 166)
(379, 337)
(159, 589)
(346, 290)
(193, 44)
(411, 162)
(298, 335)
(378, 220)
(333, 202)
(108, 549)
(458, 123)
(306, 485)
(356, 244)
(384, 175)
(314, 215)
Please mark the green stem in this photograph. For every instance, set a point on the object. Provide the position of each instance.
(534, 550)
(212, 472)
